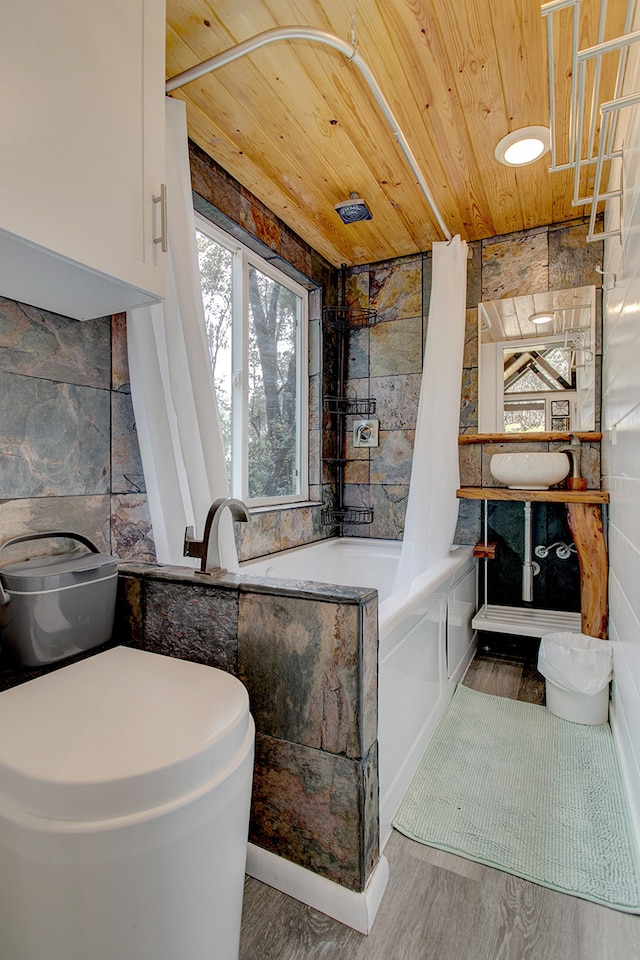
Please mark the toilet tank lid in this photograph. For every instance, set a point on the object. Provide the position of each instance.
(118, 733)
(59, 570)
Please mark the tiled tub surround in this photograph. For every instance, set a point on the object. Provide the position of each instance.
(385, 361)
(307, 654)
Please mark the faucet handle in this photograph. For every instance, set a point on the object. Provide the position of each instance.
(191, 546)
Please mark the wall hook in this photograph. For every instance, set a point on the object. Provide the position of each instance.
(607, 284)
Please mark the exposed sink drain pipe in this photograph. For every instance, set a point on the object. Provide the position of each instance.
(350, 52)
(529, 566)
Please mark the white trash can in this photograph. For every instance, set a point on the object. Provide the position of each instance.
(577, 670)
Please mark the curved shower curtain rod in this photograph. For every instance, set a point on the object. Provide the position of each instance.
(350, 52)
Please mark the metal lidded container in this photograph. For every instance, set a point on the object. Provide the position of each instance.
(55, 607)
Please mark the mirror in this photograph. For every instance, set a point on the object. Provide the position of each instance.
(536, 362)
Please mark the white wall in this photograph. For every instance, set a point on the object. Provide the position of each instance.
(621, 466)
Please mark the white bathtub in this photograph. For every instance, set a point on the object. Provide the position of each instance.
(425, 640)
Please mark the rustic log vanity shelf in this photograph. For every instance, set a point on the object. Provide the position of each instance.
(585, 522)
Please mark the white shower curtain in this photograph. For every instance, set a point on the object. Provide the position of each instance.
(432, 508)
(171, 380)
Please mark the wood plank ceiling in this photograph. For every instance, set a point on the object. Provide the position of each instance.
(296, 123)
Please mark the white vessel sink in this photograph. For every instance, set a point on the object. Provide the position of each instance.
(529, 471)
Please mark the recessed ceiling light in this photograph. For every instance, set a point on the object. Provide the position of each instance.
(523, 146)
(541, 318)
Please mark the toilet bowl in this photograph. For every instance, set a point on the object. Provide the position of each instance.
(125, 783)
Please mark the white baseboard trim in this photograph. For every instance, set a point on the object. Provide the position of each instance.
(357, 910)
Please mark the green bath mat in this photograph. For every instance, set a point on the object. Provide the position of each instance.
(510, 785)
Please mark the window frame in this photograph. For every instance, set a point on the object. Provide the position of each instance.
(243, 258)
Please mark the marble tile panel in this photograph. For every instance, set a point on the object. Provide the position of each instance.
(298, 659)
(314, 458)
(515, 265)
(357, 471)
(389, 502)
(36, 343)
(369, 661)
(315, 305)
(391, 461)
(126, 465)
(370, 790)
(119, 356)
(395, 290)
(295, 527)
(315, 362)
(259, 221)
(192, 623)
(469, 400)
(54, 438)
(131, 532)
(357, 288)
(470, 358)
(89, 516)
(295, 251)
(260, 536)
(470, 462)
(306, 807)
(469, 525)
(127, 626)
(396, 347)
(397, 400)
(213, 184)
(358, 352)
(573, 261)
(474, 274)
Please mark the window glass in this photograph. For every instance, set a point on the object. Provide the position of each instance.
(255, 322)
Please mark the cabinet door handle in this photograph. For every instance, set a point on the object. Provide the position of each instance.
(162, 200)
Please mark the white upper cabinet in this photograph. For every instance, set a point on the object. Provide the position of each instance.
(82, 154)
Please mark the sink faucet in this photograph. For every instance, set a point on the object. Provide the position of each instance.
(208, 549)
(574, 449)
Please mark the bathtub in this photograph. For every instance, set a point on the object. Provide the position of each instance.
(425, 640)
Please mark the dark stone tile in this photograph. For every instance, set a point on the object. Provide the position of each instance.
(131, 533)
(515, 265)
(389, 503)
(469, 525)
(192, 623)
(474, 275)
(37, 343)
(391, 461)
(299, 660)
(572, 261)
(358, 353)
(397, 400)
(54, 438)
(212, 183)
(395, 290)
(470, 463)
(259, 221)
(89, 516)
(370, 811)
(127, 628)
(306, 807)
(119, 356)
(396, 347)
(126, 465)
(469, 400)
(295, 251)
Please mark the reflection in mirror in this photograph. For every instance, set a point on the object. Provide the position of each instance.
(536, 362)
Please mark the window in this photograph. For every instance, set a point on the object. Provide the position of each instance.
(256, 321)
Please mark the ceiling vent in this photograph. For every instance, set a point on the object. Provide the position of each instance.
(353, 209)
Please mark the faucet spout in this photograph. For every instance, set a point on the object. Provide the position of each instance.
(574, 449)
(207, 550)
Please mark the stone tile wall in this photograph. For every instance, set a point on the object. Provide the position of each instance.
(69, 457)
(307, 654)
(385, 360)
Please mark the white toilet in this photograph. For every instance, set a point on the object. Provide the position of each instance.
(125, 784)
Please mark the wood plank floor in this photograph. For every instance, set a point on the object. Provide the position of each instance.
(441, 907)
